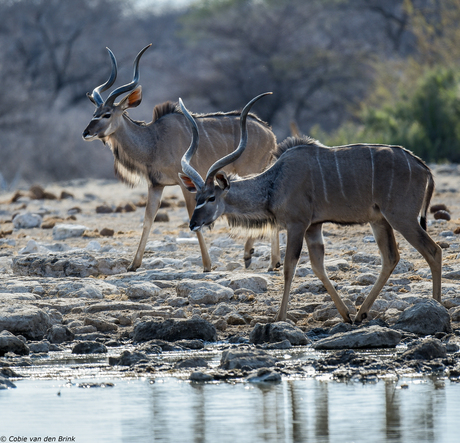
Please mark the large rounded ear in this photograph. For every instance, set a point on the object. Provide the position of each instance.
(222, 180)
(187, 182)
(132, 100)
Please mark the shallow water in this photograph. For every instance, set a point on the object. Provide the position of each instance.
(174, 410)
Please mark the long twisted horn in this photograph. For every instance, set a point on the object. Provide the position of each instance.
(96, 94)
(185, 161)
(219, 164)
(130, 86)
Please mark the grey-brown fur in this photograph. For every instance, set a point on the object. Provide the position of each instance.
(154, 150)
(311, 184)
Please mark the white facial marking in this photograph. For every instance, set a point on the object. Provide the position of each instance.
(200, 206)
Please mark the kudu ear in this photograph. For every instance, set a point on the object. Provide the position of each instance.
(188, 183)
(222, 180)
(132, 100)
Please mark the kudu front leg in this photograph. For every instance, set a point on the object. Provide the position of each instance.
(293, 249)
(153, 203)
(385, 239)
(315, 243)
(190, 205)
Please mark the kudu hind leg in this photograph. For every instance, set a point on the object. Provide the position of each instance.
(153, 203)
(295, 236)
(385, 239)
(314, 239)
(275, 259)
(190, 205)
(427, 247)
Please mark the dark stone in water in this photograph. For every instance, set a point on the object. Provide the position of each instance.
(59, 334)
(194, 362)
(200, 377)
(247, 360)
(10, 343)
(89, 347)
(173, 330)
(128, 358)
(426, 350)
(425, 318)
(277, 332)
(264, 375)
(363, 338)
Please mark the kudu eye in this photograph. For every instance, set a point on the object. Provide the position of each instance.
(211, 199)
(107, 115)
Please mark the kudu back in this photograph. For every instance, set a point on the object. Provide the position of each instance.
(154, 150)
(311, 184)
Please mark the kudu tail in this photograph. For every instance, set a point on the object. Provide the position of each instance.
(426, 200)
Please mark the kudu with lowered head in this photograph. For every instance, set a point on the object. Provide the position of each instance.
(311, 184)
(154, 150)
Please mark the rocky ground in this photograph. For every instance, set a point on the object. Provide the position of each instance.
(64, 290)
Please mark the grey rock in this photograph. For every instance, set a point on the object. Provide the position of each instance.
(425, 318)
(68, 265)
(27, 320)
(5, 383)
(200, 377)
(172, 330)
(277, 332)
(362, 257)
(264, 375)
(100, 324)
(61, 231)
(59, 334)
(41, 347)
(27, 220)
(128, 358)
(362, 338)
(426, 350)
(203, 292)
(253, 282)
(10, 343)
(189, 363)
(89, 347)
(142, 291)
(246, 360)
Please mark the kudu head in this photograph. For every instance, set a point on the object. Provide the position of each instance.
(211, 191)
(107, 116)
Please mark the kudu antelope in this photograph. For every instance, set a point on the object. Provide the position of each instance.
(154, 150)
(311, 184)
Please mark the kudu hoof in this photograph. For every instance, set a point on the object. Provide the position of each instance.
(132, 268)
(359, 319)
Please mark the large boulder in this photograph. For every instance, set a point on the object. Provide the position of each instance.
(10, 343)
(172, 330)
(27, 320)
(362, 338)
(425, 318)
(277, 332)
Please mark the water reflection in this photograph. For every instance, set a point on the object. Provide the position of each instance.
(171, 410)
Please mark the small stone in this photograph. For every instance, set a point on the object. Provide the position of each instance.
(27, 221)
(442, 215)
(162, 217)
(89, 347)
(104, 209)
(62, 231)
(107, 232)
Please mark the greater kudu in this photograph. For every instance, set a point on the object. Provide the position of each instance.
(154, 150)
(311, 184)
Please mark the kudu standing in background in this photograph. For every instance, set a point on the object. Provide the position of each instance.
(154, 150)
(311, 184)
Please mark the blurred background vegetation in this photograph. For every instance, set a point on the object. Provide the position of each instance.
(343, 71)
